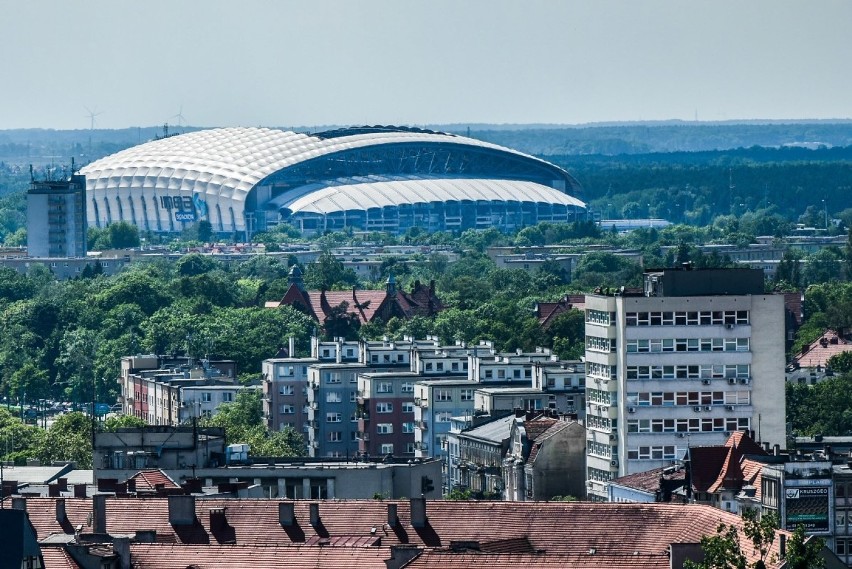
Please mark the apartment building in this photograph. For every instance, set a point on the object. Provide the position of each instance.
(152, 386)
(285, 393)
(692, 357)
(564, 382)
(386, 413)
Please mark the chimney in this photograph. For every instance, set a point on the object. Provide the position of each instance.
(181, 510)
(393, 519)
(315, 517)
(131, 485)
(286, 514)
(121, 546)
(782, 546)
(19, 504)
(218, 519)
(61, 516)
(418, 512)
(291, 352)
(146, 536)
(53, 490)
(63, 484)
(79, 490)
(99, 524)
(776, 450)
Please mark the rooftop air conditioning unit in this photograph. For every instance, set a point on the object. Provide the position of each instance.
(744, 380)
(732, 380)
(613, 437)
(613, 463)
(708, 408)
(729, 407)
(697, 409)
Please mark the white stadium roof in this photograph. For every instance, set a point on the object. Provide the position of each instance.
(229, 162)
(385, 193)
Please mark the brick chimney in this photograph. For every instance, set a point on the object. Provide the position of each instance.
(99, 520)
(315, 517)
(218, 519)
(393, 519)
(61, 515)
(418, 512)
(181, 510)
(19, 503)
(286, 514)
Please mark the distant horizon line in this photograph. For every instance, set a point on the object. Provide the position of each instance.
(473, 125)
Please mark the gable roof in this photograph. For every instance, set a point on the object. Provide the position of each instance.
(364, 304)
(554, 429)
(555, 528)
(148, 480)
(715, 468)
(649, 481)
(546, 312)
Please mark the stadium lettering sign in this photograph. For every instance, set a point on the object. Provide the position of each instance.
(184, 216)
(183, 203)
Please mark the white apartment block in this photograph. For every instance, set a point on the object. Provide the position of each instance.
(694, 356)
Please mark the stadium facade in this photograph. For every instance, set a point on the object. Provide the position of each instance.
(246, 180)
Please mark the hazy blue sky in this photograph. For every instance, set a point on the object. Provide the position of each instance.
(313, 62)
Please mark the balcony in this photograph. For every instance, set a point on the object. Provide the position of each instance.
(421, 446)
(422, 403)
(423, 425)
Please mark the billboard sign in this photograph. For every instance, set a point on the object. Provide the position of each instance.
(807, 506)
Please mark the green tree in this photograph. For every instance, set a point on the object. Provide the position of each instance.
(840, 363)
(724, 550)
(805, 552)
(68, 438)
(243, 423)
(328, 273)
(111, 424)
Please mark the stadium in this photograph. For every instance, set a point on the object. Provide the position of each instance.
(246, 180)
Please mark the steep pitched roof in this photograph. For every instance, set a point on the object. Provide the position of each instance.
(718, 468)
(554, 429)
(169, 556)
(649, 481)
(557, 528)
(365, 304)
(546, 312)
(148, 480)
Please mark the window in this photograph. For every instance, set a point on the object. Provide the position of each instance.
(408, 407)
(409, 448)
(227, 397)
(335, 436)
(408, 428)
(332, 377)
(384, 387)
(332, 397)
(287, 409)
(489, 374)
(443, 395)
(284, 371)
(206, 397)
(387, 449)
(384, 407)
(443, 417)
(384, 428)
(407, 387)
(466, 394)
(286, 390)
(333, 417)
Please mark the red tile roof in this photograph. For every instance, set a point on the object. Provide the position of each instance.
(449, 560)
(818, 352)
(718, 468)
(559, 528)
(365, 304)
(149, 479)
(554, 429)
(56, 557)
(649, 481)
(547, 311)
(170, 556)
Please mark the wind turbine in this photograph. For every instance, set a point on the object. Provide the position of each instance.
(92, 114)
(180, 118)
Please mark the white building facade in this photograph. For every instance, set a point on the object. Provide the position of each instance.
(695, 356)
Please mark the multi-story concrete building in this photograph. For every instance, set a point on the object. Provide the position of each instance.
(386, 413)
(56, 218)
(203, 400)
(285, 393)
(152, 386)
(435, 405)
(564, 382)
(694, 356)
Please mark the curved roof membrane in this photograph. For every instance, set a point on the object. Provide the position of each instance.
(394, 193)
(384, 166)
